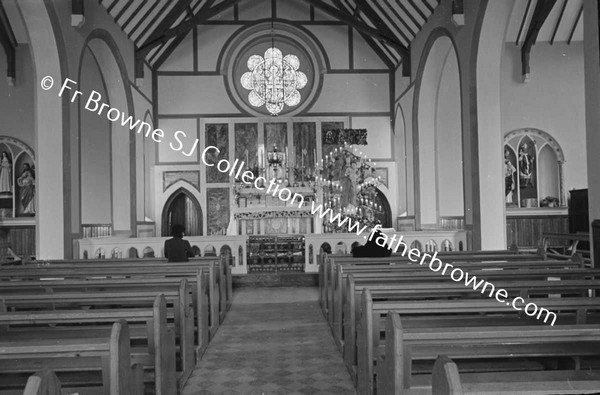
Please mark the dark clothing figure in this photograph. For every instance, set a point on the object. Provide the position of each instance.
(177, 249)
(371, 248)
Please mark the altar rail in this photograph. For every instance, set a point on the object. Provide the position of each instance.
(140, 247)
(130, 247)
(428, 241)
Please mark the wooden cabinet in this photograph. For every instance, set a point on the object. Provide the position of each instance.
(579, 218)
(275, 253)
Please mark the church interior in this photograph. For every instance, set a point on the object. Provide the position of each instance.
(279, 134)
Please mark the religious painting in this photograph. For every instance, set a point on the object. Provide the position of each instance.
(510, 177)
(246, 145)
(217, 135)
(327, 147)
(527, 169)
(305, 155)
(218, 211)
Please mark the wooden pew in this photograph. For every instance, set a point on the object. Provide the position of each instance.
(223, 274)
(384, 273)
(373, 314)
(159, 354)
(445, 290)
(474, 345)
(219, 273)
(122, 297)
(200, 295)
(204, 287)
(109, 354)
(447, 381)
(511, 260)
(549, 248)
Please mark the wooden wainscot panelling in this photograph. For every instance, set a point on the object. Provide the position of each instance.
(526, 230)
(21, 239)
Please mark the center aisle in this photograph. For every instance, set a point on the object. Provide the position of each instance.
(273, 341)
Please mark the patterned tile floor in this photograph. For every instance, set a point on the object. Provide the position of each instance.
(273, 341)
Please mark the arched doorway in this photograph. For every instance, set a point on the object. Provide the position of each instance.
(182, 208)
(385, 215)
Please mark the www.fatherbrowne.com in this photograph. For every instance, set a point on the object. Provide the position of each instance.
(436, 265)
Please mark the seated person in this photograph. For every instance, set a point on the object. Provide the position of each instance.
(177, 249)
(371, 248)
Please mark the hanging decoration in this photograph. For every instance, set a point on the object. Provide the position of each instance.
(349, 183)
(273, 81)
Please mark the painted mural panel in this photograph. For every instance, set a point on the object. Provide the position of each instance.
(218, 210)
(217, 134)
(325, 126)
(276, 135)
(305, 144)
(246, 144)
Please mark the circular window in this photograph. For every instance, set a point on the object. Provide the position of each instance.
(262, 81)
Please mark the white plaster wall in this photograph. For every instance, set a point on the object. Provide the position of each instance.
(448, 136)
(553, 100)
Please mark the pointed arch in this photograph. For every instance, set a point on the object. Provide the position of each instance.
(183, 208)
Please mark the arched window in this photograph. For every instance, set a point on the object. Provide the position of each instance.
(533, 174)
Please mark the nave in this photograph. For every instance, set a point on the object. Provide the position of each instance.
(273, 341)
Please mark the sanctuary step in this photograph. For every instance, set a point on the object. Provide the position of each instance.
(278, 279)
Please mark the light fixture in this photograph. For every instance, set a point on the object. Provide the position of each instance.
(275, 158)
(274, 80)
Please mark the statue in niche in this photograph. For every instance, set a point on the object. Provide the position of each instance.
(26, 183)
(525, 167)
(5, 174)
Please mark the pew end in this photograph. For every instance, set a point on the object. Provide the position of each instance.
(43, 382)
(446, 380)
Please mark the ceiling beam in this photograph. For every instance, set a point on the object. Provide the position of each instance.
(77, 13)
(361, 27)
(540, 13)
(168, 21)
(575, 25)
(374, 45)
(9, 43)
(560, 16)
(378, 20)
(185, 27)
